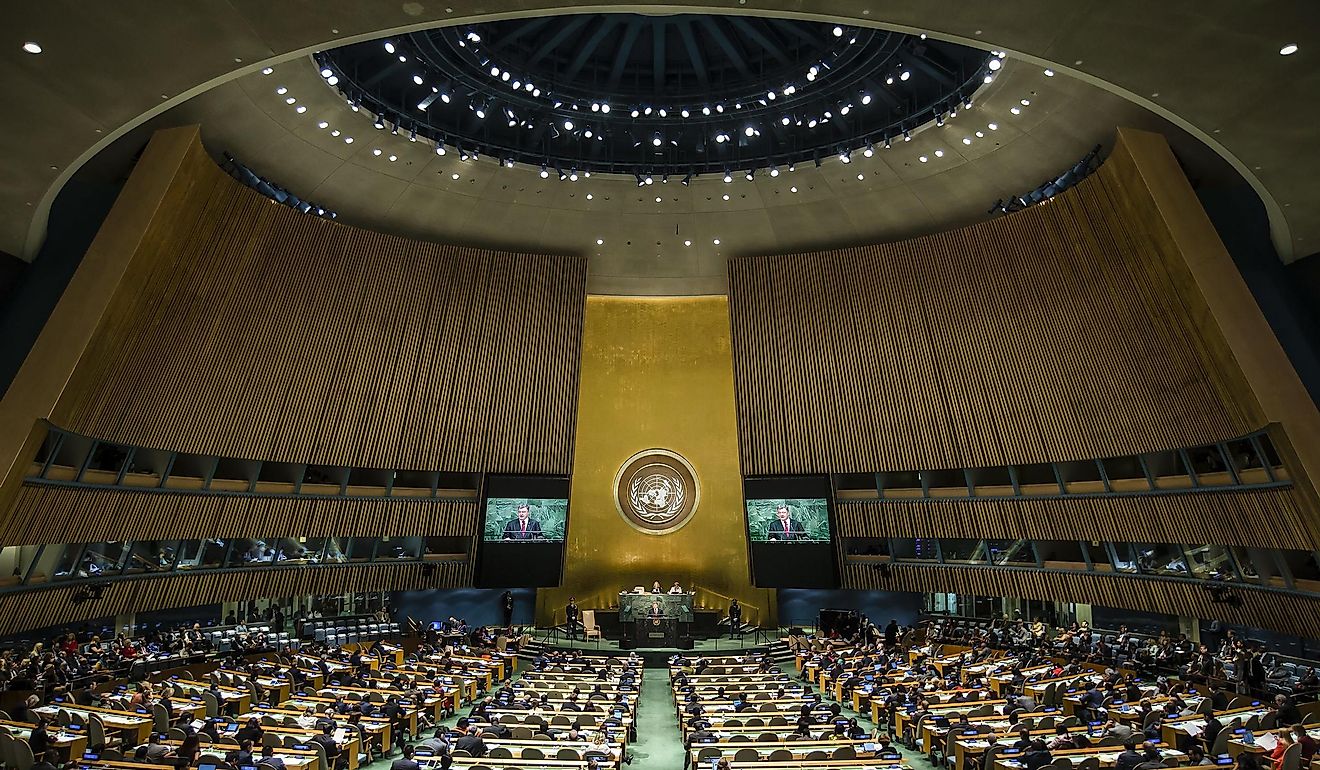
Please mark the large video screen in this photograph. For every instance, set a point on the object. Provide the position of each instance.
(789, 520)
(788, 532)
(525, 519)
(523, 531)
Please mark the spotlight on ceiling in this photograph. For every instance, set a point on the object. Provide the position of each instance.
(568, 125)
(751, 174)
(870, 149)
(380, 122)
(728, 177)
(648, 179)
(1287, 50)
(686, 180)
(838, 31)
(389, 47)
(846, 156)
(640, 182)
(866, 98)
(562, 175)
(545, 172)
(657, 140)
(774, 170)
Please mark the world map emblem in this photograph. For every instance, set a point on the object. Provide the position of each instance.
(656, 491)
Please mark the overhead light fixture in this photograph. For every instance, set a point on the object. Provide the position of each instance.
(648, 179)
(751, 174)
(417, 79)
(1287, 50)
(380, 122)
(562, 175)
(866, 98)
(993, 126)
(640, 182)
(870, 149)
(686, 180)
(657, 140)
(545, 172)
(440, 147)
(326, 72)
(838, 31)
(995, 64)
(905, 75)
(846, 156)
(389, 47)
(728, 177)
(266, 71)
(774, 170)
(572, 174)
(716, 241)
(568, 125)
(1049, 73)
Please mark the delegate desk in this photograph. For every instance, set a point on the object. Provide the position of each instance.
(350, 742)
(1107, 755)
(778, 751)
(135, 726)
(235, 699)
(69, 742)
(294, 759)
(635, 606)
(519, 763)
(1263, 741)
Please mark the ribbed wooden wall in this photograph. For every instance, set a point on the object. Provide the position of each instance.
(1053, 334)
(51, 514)
(43, 608)
(1221, 518)
(1286, 613)
(268, 334)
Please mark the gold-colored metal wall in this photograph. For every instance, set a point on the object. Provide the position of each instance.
(656, 373)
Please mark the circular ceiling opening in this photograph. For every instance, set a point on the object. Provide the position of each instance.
(656, 95)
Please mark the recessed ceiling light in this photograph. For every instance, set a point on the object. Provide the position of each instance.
(967, 140)
(600, 241)
(1049, 73)
(290, 100)
(657, 200)
(1026, 102)
(687, 243)
(268, 70)
(1016, 111)
(590, 196)
(335, 132)
(726, 196)
(993, 126)
(301, 109)
(281, 90)
(716, 241)
(923, 159)
(348, 140)
(1287, 50)
(323, 124)
(454, 177)
(393, 158)
(792, 189)
(861, 177)
(939, 153)
(31, 47)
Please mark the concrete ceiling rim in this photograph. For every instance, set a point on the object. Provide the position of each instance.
(1279, 228)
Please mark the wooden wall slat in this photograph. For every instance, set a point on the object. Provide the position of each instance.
(1054, 334)
(53, 514)
(1264, 518)
(267, 334)
(55, 606)
(1285, 613)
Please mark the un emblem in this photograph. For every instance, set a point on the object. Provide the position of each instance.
(656, 491)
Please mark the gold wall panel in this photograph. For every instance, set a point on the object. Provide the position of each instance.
(656, 373)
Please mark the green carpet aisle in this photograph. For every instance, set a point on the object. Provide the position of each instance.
(659, 744)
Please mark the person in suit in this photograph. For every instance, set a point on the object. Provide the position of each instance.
(405, 762)
(785, 527)
(268, 758)
(523, 526)
(656, 611)
(506, 605)
(572, 615)
(735, 618)
(471, 743)
(676, 588)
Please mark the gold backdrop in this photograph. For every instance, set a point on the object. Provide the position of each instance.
(656, 373)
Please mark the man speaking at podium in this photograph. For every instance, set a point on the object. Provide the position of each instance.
(785, 527)
(656, 610)
(523, 526)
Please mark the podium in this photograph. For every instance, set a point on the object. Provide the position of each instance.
(655, 632)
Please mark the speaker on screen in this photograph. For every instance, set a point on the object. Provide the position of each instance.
(789, 531)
